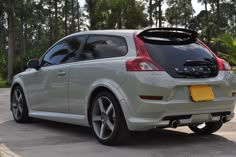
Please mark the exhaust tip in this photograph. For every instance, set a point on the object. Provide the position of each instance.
(174, 123)
(223, 119)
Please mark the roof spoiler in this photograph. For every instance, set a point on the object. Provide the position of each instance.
(154, 35)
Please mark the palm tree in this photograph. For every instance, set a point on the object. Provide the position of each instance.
(230, 44)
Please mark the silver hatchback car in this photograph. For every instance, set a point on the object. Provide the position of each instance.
(121, 80)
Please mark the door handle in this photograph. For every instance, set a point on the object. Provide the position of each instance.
(61, 73)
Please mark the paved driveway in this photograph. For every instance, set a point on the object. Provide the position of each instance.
(49, 139)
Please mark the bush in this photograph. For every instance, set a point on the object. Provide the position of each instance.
(3, 65)
(19, 63)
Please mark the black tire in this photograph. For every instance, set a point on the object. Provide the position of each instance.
(120, 130)
(209, 128)
(24, 115)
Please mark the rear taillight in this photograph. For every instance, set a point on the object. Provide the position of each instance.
(140, 47)
(222, 64)
(143, 62)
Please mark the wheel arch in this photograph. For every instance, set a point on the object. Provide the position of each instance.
(104, 87)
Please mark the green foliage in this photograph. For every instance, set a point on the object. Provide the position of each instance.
(228, 47)
(3, 65)
(179, 12)
(40, 23)
(111, 14)
(3, 84)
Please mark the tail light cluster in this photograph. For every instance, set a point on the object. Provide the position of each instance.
(143, 61)
(222, 64)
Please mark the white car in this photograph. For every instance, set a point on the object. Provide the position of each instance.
(121, 80)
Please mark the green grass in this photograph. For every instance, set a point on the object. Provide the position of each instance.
(3, 84)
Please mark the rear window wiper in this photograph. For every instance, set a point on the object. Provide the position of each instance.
(197, 63)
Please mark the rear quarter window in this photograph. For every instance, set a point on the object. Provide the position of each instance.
(104, 46)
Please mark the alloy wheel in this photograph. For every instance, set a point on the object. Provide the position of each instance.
(103, 117)
(17, 104)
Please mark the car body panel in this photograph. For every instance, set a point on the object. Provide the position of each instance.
(47, 91)
(176, 98)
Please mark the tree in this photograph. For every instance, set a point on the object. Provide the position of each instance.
(3, 30)
(150, 12)
(11, 37)
(229, 50)
(179, 12)
(56, 19)
(66, 17)
(207, 19)
(91, 8)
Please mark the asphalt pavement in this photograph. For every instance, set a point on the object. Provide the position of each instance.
(50, 139)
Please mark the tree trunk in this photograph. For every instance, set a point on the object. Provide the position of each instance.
(207, 21)
(78, 16)
(92, 9)
(185, 16)
(72, 30)
(26, 35)
(218, 23)
(21, 42)
(50, 22)
(1, 27)
(150, 12)
(66, 17)
(156, 18)
(160, 13)
(56, 25)
(11, 36)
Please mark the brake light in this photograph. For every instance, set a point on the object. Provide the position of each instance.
(143, 62)
(140, 47)
(222, 64)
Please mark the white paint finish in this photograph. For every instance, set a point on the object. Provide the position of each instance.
(49, 96)
(46, 90)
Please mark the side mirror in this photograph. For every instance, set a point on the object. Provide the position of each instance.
(33, 63)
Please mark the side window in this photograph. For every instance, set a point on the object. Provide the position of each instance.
(99, 46)
(64, 52)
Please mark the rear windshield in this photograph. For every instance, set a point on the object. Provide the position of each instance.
(184, 61)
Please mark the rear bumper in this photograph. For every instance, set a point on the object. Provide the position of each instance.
(176, 104)
(161, 115)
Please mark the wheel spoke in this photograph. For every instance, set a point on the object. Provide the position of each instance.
(102, 130)
(97, 118)
(17, 112)
(16, 95)
(110, 125)
(20, 108)
(109, 109)
(14, 104)
(101, 107)
(19, 98)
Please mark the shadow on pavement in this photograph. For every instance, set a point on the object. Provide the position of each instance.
(44, 133)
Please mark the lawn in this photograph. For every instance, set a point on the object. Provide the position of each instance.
(3, 83)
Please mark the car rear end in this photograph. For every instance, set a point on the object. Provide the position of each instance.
(176, 80)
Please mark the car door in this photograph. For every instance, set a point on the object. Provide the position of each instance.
(48, 87)
(95, 62)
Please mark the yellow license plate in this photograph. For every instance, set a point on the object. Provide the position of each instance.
(201, 93)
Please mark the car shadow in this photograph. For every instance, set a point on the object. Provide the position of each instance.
(43, 132)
